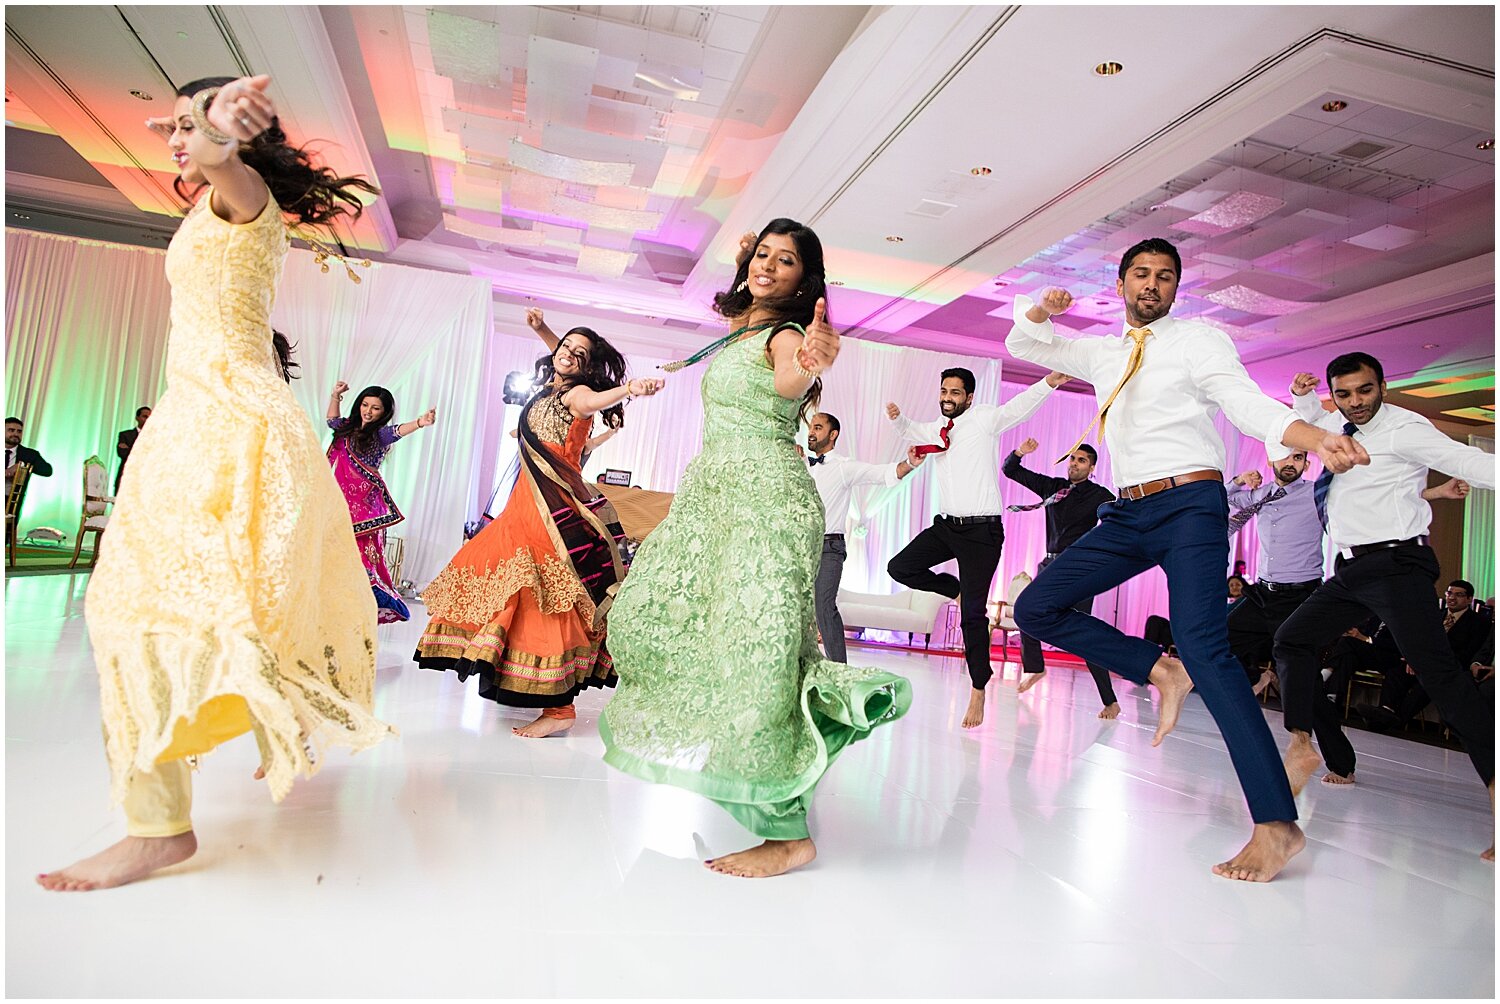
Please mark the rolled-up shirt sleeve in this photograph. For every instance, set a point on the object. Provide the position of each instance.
(1221, 376)
(1020, 407)
(1040, 343)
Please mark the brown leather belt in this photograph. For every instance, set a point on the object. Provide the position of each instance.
(1137, 492)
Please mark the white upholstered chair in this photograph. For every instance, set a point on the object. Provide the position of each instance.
(1003, 612)
(95, 504)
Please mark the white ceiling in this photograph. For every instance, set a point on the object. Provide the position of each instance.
(601, 161)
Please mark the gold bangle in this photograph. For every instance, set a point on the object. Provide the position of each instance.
(801, 370)
(199, 116)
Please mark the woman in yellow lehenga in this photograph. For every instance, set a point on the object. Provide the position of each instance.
(230, 597)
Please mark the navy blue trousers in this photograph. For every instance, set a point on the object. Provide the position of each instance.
(1183, 530)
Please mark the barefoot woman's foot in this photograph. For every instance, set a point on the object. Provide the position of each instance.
(974, 716)
(260, 773)
(1173, 684)
(127, 861)
(1488, 855)
(543, 727)
(1332, 778)
(1029, 680)
(1111, 711)
(774, 857)
(1301, 760)
(1271, 846)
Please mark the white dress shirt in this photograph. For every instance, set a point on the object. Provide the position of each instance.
(1162, 422)
(837, 477)
(968, 472)
(1383, 500)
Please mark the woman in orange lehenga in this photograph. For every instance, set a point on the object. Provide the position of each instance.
(523, 604)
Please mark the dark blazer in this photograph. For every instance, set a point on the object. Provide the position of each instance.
(1471, 632)
(39, 466)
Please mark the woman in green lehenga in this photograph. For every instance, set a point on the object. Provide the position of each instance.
(722, 688)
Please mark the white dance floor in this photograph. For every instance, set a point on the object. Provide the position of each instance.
(1048, 854)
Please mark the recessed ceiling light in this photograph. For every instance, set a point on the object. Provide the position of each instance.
(1335, 105)
(1429, 345)
(1109, 69)
(895, 240)
(140, 94)
(1488, 144)
(182, 34)
(980, 171)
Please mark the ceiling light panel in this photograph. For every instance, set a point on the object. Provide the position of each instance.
(1251, 301)
(495, 235)
(466, 49)
(1386, 238)
(575, 169)
(604, 262)
(559, 81)
(1237, 210)
(606, 216)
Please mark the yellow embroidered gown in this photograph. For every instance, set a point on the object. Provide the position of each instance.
(229, 594)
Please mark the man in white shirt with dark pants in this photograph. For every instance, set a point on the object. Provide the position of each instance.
(1378, 520)
(965, 453)
(1159, 385)
(836, 478)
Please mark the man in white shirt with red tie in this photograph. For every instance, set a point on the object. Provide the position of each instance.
(965, 453)
(1377, 518)
(1159, 384)
(836, 478)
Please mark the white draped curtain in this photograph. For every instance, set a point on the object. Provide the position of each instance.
(85, 345)
(86, 337)
(423, 336)
(1479, 531)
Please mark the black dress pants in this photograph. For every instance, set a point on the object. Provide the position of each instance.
(976, 546)
(1396, 584)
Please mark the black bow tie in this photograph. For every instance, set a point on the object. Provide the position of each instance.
(816, 460)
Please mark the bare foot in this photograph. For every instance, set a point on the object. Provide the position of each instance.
(1271, 846)
(774, 857)
(127, 861)
(1173, 684)
(1332, 778)
(974, 717)
(1265, 681)
(543, 727)
(1029, 680)
(1488, 855)
(1301, 760)
(1111, 711)
(260, 773)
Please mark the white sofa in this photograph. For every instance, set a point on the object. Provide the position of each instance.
(909, 611)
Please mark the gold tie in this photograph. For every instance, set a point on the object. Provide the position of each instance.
(1137, 352)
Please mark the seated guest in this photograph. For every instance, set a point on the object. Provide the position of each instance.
(127, 439)
(15, 454)
(1402, 697)
(1237, 586)
(1239, 568)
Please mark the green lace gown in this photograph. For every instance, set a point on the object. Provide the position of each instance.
(723, 690)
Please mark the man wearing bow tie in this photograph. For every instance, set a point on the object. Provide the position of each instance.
(966, 457)
(836, 478)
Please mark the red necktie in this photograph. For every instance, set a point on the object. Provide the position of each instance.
(922, 451)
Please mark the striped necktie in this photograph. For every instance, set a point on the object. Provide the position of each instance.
(1325, 482)
(1054, 498)
(1238, 520)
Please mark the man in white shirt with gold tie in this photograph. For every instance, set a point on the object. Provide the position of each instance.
(836, 477)
(1159, 385)
(1377, 518)
(965, 452)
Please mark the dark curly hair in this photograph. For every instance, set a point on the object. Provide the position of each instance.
(285, 364)
(799, 307)
(364, 439)
(605, 371)
(314, 195)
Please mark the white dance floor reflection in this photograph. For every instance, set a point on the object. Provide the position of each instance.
(1048, 854)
